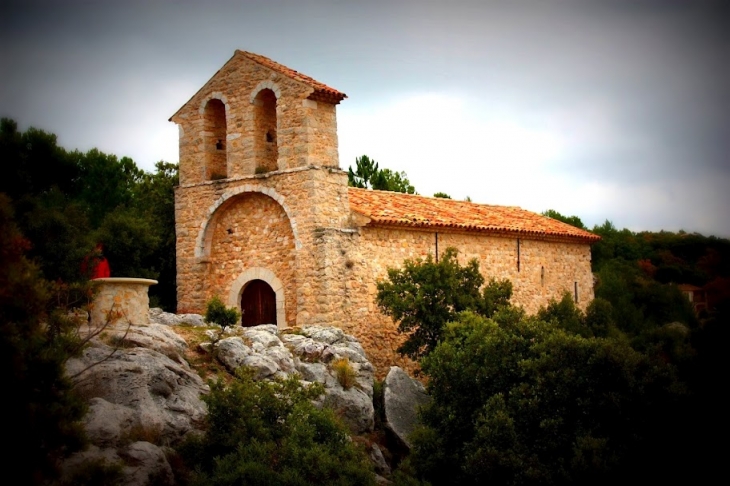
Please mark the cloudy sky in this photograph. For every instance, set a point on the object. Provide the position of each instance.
(614, 110)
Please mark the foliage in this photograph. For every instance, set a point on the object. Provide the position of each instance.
(99, 472)
(565, 314)
(344, 372)
(129, 241)
(216, 312)
(154, 197)
(640, 304)
(105, 182)
(442, 195)
(65, 202)
(528, 403)
(571, 220)
(36, 339)
(367, 175)
(424, 295)
(269, 433)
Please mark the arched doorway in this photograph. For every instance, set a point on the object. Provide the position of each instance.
(258, 304)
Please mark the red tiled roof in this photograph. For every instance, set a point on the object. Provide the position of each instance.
(322, 92)
(398, 209)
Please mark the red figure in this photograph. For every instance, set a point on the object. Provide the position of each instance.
(95, 264)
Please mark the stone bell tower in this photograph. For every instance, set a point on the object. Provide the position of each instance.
(262, 205)
(256, 116)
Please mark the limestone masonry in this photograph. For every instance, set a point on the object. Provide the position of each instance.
(265, 219)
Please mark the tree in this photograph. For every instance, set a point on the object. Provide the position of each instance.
(367, 175)
(154, 196)
(528, 403)
(424, 295)
(442, 195)
(36, 339)
(270, 433)
(571, 220)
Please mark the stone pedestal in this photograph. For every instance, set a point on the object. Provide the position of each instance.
(121, 300)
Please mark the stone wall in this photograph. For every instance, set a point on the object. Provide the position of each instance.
(296, 225)
(120, 300)
(307, 200)
(547, 269)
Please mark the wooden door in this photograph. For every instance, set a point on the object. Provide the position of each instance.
(258, 304)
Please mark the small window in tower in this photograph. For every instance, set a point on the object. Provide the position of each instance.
(219, 144)
(269, 136)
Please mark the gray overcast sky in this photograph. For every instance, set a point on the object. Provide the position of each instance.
(602, 109)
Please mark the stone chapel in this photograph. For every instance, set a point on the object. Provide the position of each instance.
(265, 218)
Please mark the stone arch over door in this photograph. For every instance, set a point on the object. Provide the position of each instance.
(204, 238)
(260, 273)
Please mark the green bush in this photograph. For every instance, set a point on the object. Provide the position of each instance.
(423, 295)
(530, 403)
(269, 433)
(217, 313)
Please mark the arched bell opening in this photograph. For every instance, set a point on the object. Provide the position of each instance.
(266, 146)
(216, 131)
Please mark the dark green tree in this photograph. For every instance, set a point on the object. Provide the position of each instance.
(528, 403)
(36, 339)
(154, 197)
(367, 175)
(571, 220)
(424, 295)
(564, 313)
(106, 183)
(442, 195)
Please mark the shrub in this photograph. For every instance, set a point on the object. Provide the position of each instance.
(423, 295)
(345, 373)
(531, 403)
(268, 432)
(217, 313)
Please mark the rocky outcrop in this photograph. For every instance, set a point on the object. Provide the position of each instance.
(158, 316)
(310, 353)
(402, 398)
(143, 396)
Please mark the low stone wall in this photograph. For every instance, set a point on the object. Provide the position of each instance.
(121, 300)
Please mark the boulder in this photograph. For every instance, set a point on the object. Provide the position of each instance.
(137, 389)
(146, 463)
(403, 396)
(308, 353)
(376, 457)
(157, 337)
(158, 316)
(353, 406)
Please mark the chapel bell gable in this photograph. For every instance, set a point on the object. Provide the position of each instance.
(256, 116)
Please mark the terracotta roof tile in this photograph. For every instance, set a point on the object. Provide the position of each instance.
(398, 209)
(322, 92)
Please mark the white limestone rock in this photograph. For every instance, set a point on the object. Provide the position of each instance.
(158, 316)
(231, 352)
(145, 463)
(158, 393)
(403, 396)
(353, 406)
